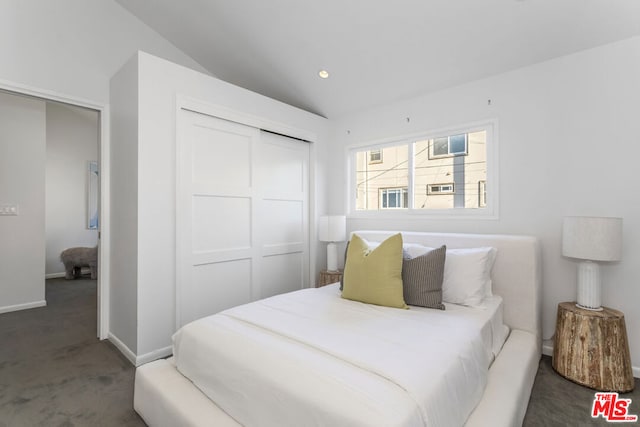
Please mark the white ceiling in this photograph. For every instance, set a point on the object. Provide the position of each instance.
(378, 51)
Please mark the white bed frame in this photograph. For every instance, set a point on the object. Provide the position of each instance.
(163, 397)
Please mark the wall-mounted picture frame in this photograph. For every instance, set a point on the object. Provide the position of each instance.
(92, 195)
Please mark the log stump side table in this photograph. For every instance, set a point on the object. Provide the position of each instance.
(591, 348)
(329, 277)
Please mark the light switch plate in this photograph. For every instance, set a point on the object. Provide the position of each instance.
(9, 209)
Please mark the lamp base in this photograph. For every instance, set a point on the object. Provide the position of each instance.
(332, 257)
(589, 286)
(589, 308)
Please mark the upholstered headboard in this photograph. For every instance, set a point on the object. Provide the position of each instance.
(516, 274)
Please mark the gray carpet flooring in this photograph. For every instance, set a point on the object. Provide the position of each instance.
(55, 372)
(556, 401)
(53, 369)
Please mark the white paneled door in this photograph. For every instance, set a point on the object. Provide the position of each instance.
(242, 215)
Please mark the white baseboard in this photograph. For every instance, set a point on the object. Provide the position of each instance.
(123, 348)
(25, 306)
(83, 270)
(142, 359)
(547, 350)
(154, 355)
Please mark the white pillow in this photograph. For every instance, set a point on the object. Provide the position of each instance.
(415, 249)
(467, 273)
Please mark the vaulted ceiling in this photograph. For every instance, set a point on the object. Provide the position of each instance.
(378, 51)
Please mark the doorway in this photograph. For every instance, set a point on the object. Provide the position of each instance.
(101, 113)
(71, 188)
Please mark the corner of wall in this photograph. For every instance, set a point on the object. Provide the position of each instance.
(123, 308)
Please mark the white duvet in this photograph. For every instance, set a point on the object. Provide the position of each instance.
(311, 358)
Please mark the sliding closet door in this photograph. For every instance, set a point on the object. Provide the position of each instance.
(282, 220)
(242, 215)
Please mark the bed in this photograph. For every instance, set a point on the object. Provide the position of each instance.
(315, 360)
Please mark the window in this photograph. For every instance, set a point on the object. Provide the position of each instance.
(482, 193)
(375, 156)
(426, 173)
(454, 145)
(440, 188)
(391, 198)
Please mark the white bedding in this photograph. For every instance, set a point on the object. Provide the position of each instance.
(490, 316)
(312, 358)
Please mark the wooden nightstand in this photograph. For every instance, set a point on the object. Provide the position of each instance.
(591, 348)
(329, 277)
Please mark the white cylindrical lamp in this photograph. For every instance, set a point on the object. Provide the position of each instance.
(591, 239)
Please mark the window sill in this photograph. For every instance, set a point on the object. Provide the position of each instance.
(440, 214)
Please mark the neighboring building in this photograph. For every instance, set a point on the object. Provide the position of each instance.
(449, 172)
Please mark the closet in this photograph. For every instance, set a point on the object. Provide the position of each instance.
(211, 203)
(242, 215)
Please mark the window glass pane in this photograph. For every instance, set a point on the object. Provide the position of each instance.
(393, 198)
(372, 180)
(458, 144)
(433, 176)
(441, 146)
(448, 172)
(393, 202)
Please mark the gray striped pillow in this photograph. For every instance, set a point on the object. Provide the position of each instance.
(422, 279)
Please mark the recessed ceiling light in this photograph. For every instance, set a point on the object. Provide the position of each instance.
(324, 74)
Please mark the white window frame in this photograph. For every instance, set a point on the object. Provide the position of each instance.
(401, 192)
(432, 148)
(482, 193)
(490, 211)
(437, 189)
(378, 160)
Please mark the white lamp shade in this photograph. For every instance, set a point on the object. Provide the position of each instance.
(332, 228)
(592, 238)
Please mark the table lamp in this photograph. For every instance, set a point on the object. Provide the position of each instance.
(591, 240)
(332, 229)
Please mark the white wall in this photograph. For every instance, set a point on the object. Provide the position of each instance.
(73, 47)
(568, 136)
(159, 83)
(123, 323)
(22, 166)
(72, 141)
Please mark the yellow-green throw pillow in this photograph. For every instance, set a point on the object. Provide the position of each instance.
(374, 277)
